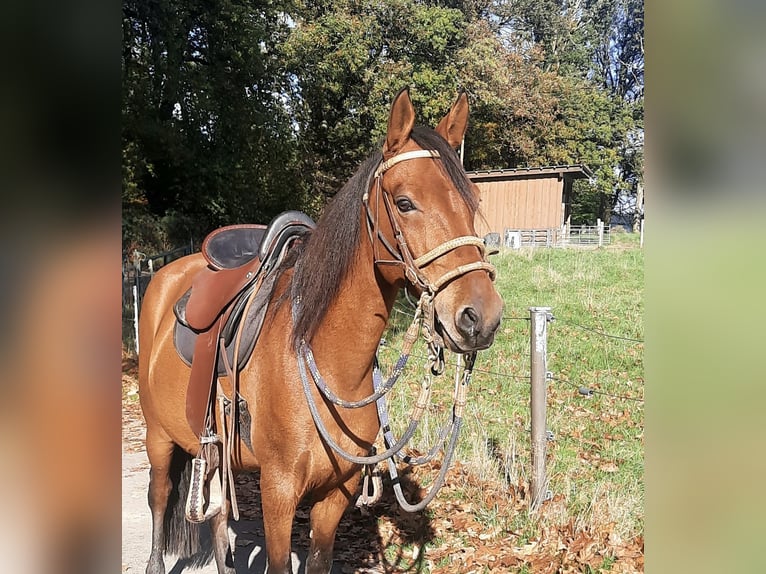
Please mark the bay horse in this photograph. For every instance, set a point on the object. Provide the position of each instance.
(405, 218)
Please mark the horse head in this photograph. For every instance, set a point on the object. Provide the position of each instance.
(420, 210)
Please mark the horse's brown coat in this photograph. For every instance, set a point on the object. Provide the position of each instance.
(292, 458)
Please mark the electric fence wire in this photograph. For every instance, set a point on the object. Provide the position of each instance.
(592, 330)
(587, 391)
(411, 313)
(583, 390)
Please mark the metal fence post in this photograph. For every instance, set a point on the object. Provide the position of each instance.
(138, 257)
(135, 314)
(539, 317)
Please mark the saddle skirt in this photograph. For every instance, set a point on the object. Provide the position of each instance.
(228, 302)
(250, 324)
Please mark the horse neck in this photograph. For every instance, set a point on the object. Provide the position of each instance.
(348, 339)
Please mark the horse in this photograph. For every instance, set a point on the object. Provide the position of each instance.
(405, 218)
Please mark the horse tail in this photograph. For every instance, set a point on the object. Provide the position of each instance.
(183, 538)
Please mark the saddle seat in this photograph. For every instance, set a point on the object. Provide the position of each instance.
(241, 264)
(232, 265)
(234, 245)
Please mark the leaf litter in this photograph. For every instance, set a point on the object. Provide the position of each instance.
(449, 536)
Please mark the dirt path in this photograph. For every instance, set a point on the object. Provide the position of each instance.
(245, 535)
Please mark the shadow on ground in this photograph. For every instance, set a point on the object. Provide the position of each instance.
(360, 546)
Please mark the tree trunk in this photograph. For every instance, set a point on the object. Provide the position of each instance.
(606, 203)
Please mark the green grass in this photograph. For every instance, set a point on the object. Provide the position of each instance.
(595, 464)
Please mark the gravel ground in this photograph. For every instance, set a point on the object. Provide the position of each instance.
(249, 555)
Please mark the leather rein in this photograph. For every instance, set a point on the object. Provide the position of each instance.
(424, 313)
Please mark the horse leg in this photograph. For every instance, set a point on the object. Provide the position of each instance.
(279, 501)
(325, 516)
(160, 453)
(219, 530)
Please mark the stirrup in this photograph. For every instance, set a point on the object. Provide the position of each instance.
(198, 508)
(205, 497)
(372, 487)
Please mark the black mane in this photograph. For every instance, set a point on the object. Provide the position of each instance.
(330, 249)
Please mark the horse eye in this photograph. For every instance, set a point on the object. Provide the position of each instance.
(403, 204)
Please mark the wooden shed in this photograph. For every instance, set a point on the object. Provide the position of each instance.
(527, 199)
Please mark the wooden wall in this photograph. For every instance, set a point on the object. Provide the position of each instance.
(520, 203)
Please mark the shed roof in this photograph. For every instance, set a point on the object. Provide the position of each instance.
(579, 171)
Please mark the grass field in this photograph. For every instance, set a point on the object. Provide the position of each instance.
(595, 461)
(479, 521)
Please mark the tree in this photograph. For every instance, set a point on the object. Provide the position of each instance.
(348, 59)
(595, 47)
(590, 127)
(512, 102)
(207, 140)
(234, 111)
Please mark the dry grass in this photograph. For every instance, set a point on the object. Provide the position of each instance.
(595, 462)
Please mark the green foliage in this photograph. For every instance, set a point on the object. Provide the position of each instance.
(202, 109)
(596, 50)
(590, 128)
(235, 111)
(348, 61)
(512, 102)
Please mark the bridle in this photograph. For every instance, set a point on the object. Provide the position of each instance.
(413, 272)
(413, 266)
(402, 254)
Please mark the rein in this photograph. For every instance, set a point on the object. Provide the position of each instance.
(424, 322)
(394, 447)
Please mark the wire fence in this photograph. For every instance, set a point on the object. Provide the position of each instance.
(583, 390)
(137, 270)
(537, 386)
(598, 332)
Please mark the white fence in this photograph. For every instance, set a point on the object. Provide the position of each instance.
(596, 235)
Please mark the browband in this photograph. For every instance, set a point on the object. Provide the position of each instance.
(388, 164)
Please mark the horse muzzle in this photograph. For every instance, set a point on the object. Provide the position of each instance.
(472, 328)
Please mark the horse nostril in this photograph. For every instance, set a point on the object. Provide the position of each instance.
(468, 320)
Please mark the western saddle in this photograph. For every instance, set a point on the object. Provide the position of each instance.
(223, 311)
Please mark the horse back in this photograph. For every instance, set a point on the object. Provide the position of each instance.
(164, 289)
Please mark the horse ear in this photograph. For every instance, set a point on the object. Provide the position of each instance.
(400, 124)
(453, 125)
